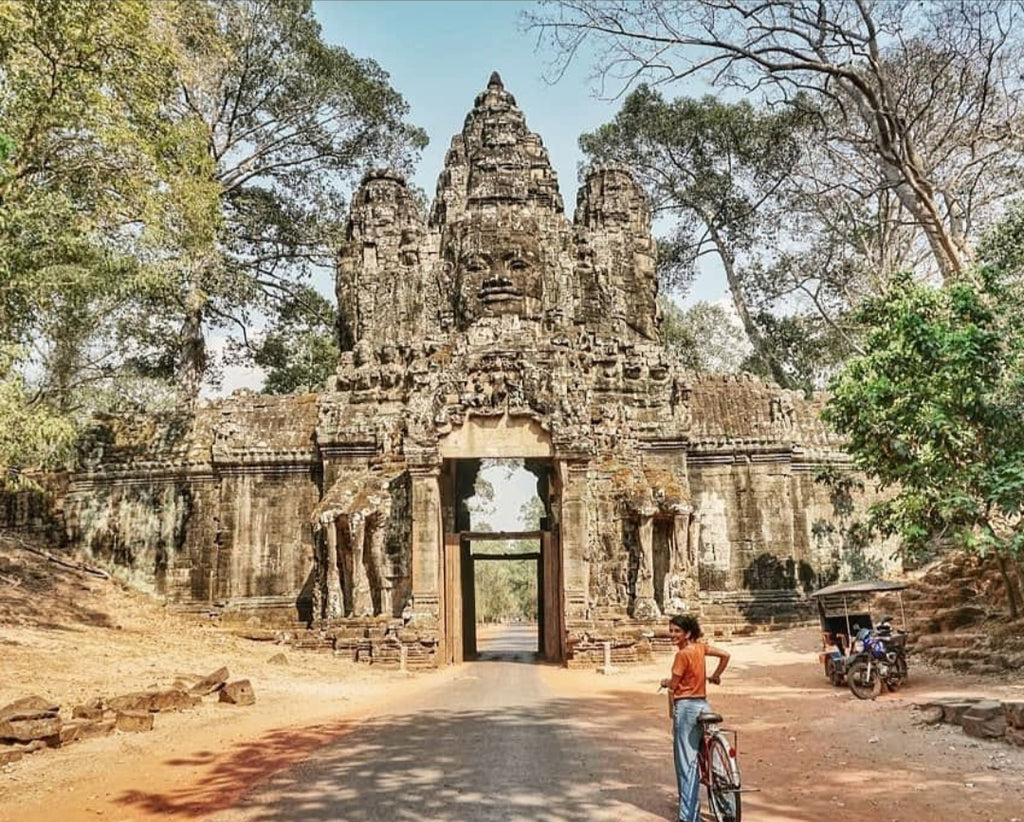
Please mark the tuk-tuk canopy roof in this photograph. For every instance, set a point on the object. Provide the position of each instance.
(866, 586)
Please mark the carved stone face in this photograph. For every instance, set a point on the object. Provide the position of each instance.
(498, 272)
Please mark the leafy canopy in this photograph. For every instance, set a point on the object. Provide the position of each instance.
(934, 409)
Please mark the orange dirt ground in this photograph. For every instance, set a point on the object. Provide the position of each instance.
(69, 636)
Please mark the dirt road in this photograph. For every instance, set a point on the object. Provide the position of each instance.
(505, 739)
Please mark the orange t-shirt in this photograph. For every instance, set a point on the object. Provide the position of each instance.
(689, 667)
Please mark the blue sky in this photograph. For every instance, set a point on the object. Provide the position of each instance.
(439, 56)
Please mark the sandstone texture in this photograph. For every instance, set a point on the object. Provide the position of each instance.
(492, 326)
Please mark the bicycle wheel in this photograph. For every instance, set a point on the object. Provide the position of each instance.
(723, 782)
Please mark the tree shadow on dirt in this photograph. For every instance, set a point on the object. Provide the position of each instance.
(37, 593)
(568, 760)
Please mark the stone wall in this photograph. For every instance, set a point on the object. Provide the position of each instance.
(491, 326)
(203, 509)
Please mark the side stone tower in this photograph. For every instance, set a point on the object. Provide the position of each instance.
(380, 284)
(616, 256)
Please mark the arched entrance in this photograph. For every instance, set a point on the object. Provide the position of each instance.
(462, 452)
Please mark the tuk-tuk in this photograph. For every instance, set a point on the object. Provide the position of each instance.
(842, 609)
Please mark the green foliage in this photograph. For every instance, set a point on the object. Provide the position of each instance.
(32, 436)
(171, 169)
(288, 123)
(706, 337)
(1003, 246)
(506, 589)
(807, 348)
(300, 351)
(933, 410)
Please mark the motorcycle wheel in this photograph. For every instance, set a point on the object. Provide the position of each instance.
(835, 676)
(897, 674)
(863, 683)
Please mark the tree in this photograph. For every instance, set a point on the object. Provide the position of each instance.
(80, 86)
(168, 169)
(31, 434)
(287, 123)
(710, 167)
(934, 411)
(706, 337)
(300, 350)
(923, 98)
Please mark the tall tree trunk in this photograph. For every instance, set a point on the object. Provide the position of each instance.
(1012, 594)
(750, 328)
(192, 358)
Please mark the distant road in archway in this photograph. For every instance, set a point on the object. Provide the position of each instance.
(512, 641)
(494, 743)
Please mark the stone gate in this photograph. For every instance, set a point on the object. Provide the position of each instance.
(491, 327)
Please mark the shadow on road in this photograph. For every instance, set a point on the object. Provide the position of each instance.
(541, 763)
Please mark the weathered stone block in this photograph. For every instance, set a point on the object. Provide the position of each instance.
(11, 755)
(134, 721)
(26, 727)
(239, 692)
(93, 709)
(985, 720)
(1015, 736)
(930, 715)
(91, 728)
(29, 705)
(953, 712)
(170, 699)
(210, 683)
(1014, 710)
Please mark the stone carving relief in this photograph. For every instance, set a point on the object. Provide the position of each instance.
(496, 269)
(352, 573)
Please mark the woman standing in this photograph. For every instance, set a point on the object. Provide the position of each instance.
(688, 699)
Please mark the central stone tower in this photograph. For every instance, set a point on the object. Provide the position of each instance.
(498, 328)
(490, 327)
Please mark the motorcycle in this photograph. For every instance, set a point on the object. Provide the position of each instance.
(878, 657)
(855, 652)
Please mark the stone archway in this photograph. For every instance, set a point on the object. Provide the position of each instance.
(496, 437)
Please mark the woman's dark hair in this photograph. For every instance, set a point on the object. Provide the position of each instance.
(688, 623)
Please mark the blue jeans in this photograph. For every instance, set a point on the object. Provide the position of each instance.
(686, 734)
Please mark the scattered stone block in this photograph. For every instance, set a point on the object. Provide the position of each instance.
(1015, 736)
(134, 721)
(985, 720)
(239, 692)
(278, 659)
(93, 728)
(11, 755)
(30, 726)
(953, 712)
(15, 753)
(209, 684)
(93, 709)
(1014, 711)
(69, 732)
(170, 699)
(29, 705)
(931, 715)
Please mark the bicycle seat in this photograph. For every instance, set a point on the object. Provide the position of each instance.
(707, 718)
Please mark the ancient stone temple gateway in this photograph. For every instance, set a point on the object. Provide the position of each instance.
(494, 327)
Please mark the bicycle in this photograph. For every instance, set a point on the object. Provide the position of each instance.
(719, 768)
